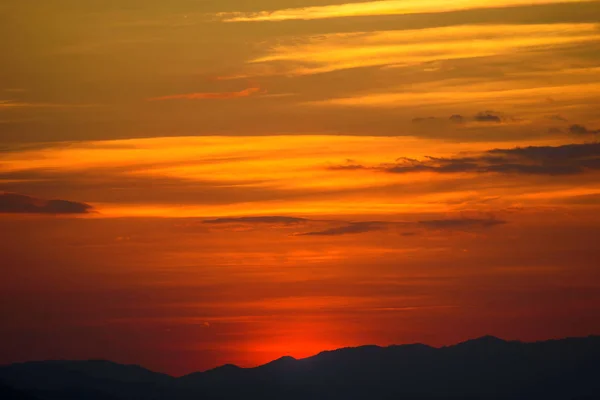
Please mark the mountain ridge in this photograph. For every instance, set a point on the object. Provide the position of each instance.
(482, 368)
(324, 352)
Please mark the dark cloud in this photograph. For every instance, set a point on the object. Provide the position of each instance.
(545, 160)
(462, 223)
(582, 130)
(457, 119)
(347, 167)
(350, 229)
(548, 154)
(488, 116)
(13, 203)
(258, 220)
(484, 116)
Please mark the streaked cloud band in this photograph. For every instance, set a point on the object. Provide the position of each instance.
(374, 8)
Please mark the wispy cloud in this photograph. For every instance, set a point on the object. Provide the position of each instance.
(326, 53)
(210, 96)
(473, 93)
(407, 228)
(256, 220)
(373, 8)
(350, 229)
(21, 104)
(331, 228)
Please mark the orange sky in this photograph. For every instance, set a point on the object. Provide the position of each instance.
(190, 184)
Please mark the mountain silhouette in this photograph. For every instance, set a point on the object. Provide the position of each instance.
(9, 393)
(484, 368)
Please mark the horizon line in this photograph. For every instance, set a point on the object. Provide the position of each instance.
(590, 336)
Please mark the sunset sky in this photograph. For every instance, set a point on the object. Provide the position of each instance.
(187, 183)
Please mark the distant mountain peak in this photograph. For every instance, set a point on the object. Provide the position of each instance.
(279, 363)
(491, 338)
(226, 367)
(484, 340)
(285, 359)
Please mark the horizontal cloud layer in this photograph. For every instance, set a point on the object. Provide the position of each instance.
(342, 228)
(350, 229)
(13, 203)
(316, 177)
(372, 8)
(546, 160)
(440, 224)
(326, 53)
(483, 116)
(209, 96)
(257, 220)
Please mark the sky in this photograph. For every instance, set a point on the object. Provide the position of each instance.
(191, 183)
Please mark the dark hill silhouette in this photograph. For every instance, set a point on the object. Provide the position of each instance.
(485, 368)
(9, 393)
(95, 379)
